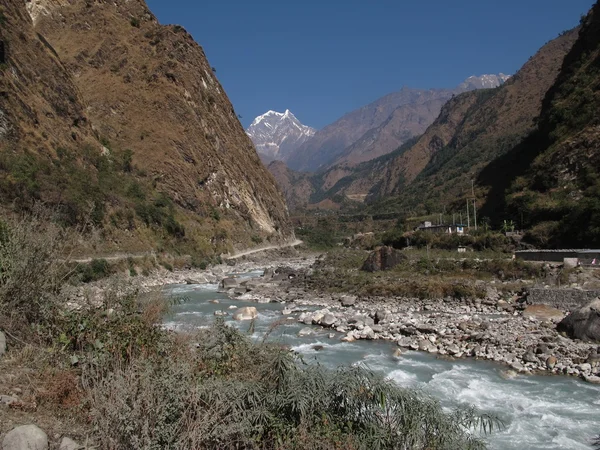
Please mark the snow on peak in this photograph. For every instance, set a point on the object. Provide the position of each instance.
(486, 81)
(276, 134)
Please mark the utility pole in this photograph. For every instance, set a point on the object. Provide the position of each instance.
(468, 220)
(474, 203)
(461, 222)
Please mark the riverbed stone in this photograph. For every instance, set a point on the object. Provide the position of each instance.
(529, 357)
(328, 320)
(69, 444)
(551, 362)
(348, 300)
(229, 283)
(245, 313)
(306, 332)
(348, 338)
(583, 323)
(25, 437)
(543, 313)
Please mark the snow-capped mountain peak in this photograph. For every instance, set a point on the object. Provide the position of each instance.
(277, 134)
(484, 81)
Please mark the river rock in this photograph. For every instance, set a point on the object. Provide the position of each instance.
(229, 283)
(2, 343)
(214, 302)
(367, 333)
(529, 357)
(26, 437)
(69, 444)
(592, 379)
(317, 317)
(583, 323)
(542, 313)
(383, 258)
(551, 362)
(348, 338)
(305, 332)
(397, 353)
(348, 300)
(328, 320)
(246, 313)
(380, 316)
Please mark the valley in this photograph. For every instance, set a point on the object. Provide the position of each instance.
(417, 273)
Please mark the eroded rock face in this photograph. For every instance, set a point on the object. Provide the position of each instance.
(583, 323)
(383, 258)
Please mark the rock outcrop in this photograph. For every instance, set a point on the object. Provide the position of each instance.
(383, 258)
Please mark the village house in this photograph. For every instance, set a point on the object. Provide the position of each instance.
(442, 229)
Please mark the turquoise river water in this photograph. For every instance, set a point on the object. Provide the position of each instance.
(539, 412)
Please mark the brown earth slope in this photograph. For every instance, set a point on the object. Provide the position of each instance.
(41, 108)
(148, 91)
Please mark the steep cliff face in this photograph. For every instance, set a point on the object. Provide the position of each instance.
(550, 183)
(133, 90)
(41, 108)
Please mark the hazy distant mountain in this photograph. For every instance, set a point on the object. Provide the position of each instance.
(380, 127)
(277, 135)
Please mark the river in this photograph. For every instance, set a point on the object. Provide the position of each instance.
(540, 412)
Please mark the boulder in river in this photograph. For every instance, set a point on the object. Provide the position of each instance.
(383, 258)
(328, 320)
(305, 332)
(229, 283)
(246, 313)
(583, 323)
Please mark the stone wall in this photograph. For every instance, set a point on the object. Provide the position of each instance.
(565, 299)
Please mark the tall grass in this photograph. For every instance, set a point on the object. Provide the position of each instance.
(230, 393)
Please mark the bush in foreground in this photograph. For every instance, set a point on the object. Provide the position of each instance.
(230, 393)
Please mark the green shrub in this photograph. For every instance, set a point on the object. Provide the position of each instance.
(96, 270)
(231, 393)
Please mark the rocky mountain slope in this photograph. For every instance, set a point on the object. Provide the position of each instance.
(378, 128)
(550, 182)
(472, 130)
(131, 123)
(296, 186)
(433, 171)
(277, 135)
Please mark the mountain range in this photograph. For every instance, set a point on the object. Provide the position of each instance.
(368, 132)
(433, 171)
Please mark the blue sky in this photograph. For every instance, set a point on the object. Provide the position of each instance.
(323, 58)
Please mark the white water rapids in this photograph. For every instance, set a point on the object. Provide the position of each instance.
(540, 412)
